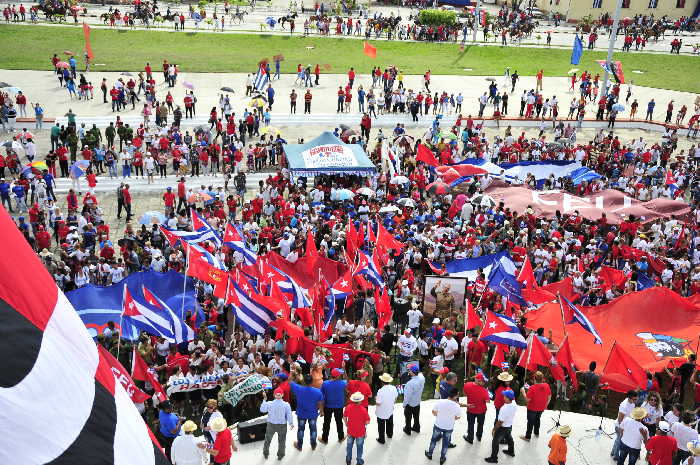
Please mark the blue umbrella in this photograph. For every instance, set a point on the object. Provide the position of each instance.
(152, 217)
(344, 194)
(271, 21)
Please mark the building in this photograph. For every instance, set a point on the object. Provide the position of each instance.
(574, 10)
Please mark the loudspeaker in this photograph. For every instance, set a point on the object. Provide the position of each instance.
(252, 430)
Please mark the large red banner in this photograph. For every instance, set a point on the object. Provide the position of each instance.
(615, 204)
(654, 326)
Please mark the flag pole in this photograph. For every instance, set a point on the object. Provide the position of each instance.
(563, 320)
(121, 317)
(184, 283)
(609, 354)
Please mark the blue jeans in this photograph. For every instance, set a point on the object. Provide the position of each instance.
(360, 446)
(438, 433)
(313, 433)
(615, 452)
(625, 450)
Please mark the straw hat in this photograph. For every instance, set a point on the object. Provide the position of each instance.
(357, 397)
(212, 403)
(638, 413)
(386, 378)
(218, 424)
(564, 431)
(694, 447)
(189, 426)
(505, 376)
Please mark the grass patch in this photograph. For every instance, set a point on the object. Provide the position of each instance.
(229, 53)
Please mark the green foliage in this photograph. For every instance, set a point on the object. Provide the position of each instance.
(437, 17)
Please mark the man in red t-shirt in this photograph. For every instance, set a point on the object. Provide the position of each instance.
(361, 386)
(356, 420)
(223, 446)
(538, 396)
(477, 398)
(661, 447)
(475, 351)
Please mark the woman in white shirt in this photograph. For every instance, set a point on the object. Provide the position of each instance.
(655, 412)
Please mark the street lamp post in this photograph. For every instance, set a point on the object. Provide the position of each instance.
(477, 19)
(611, 45)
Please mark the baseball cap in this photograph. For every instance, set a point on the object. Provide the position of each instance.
(279, 391)
(337, 372)
(509, 394)
(283, 376)
(414, 367)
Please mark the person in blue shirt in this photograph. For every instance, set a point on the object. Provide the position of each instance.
(279, 415)
(309, 404)
(333, 391)
(361, 99)
(412, 393)
(169, 426)
(5, 194)
(19, 194)
(73, 64)
(270, 96)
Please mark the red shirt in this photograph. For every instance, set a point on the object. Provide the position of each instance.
(477, 396)
(355, 385)
(476, 351)
(660, 450)
(223, 445)
(357, 418)
(537, 397)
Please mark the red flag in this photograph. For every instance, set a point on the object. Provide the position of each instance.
(351, 241)
(536, 354)
(123, 377)
(426, 155)
(386, 240)
(369, 50)
(383, 307)
(472, 320)
(197, 267)
(311, 250)
(680, 240)
(88, 46)
(611, 277)
(141, 371)
(566, 361)
(499, 355)
(277, 294)
(622, 363)
(172, 238)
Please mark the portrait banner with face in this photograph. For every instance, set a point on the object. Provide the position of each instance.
(443, 297)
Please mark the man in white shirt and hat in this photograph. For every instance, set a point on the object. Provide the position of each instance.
(385, 400)
(503, 427)
(633, 434)
(446, 412)
(185, 450)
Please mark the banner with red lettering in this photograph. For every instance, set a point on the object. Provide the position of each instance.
(121, 374)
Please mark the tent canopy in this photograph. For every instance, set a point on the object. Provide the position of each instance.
(327, 154)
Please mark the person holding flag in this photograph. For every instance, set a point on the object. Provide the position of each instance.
(538, 396)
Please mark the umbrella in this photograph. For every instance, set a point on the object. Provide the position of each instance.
(68, 52)
(126, 73)
(198, 197)
(271, 21)
(13, 144)
(572, 71)
(75, 8)
(365, 191)
(483, 200)
(618, 107)
(13, 90)
(448, 135)
(257, 102)
(227, 89)
(270, 130)
(404, 139)
(188, 85)
(4, 84)
(438, 188)
(406, 202)
(348, 133)
(62, 64)
(491, 79)
(152, 217)
(28, 135)
(344, 127)
(40, 165)
(450, 175)
(399, 180)
(344, 194)
(389, 209)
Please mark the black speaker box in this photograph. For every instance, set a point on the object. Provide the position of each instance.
(252, 430)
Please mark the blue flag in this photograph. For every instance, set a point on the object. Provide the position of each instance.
(97, 305)
(504, 283)
(644, 281)
(577, 51)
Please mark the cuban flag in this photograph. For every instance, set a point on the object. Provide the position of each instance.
(368, 268)
(261, 78)
(251, 309)
(146, 319)
(234, 240)
(191, 237)
(342, 287)
(671, 182)
(201, 226)
(300, 295)
(503, 330)
(181, 330)
(574, 315)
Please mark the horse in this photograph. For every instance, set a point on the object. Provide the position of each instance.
(238, 15)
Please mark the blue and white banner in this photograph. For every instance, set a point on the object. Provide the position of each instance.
(191, 383)
(98, 305)
(542, 170)
(469, 267)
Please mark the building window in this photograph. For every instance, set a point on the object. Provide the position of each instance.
(597, 3)
(626, 3)
(680, 3)
(653, 3)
